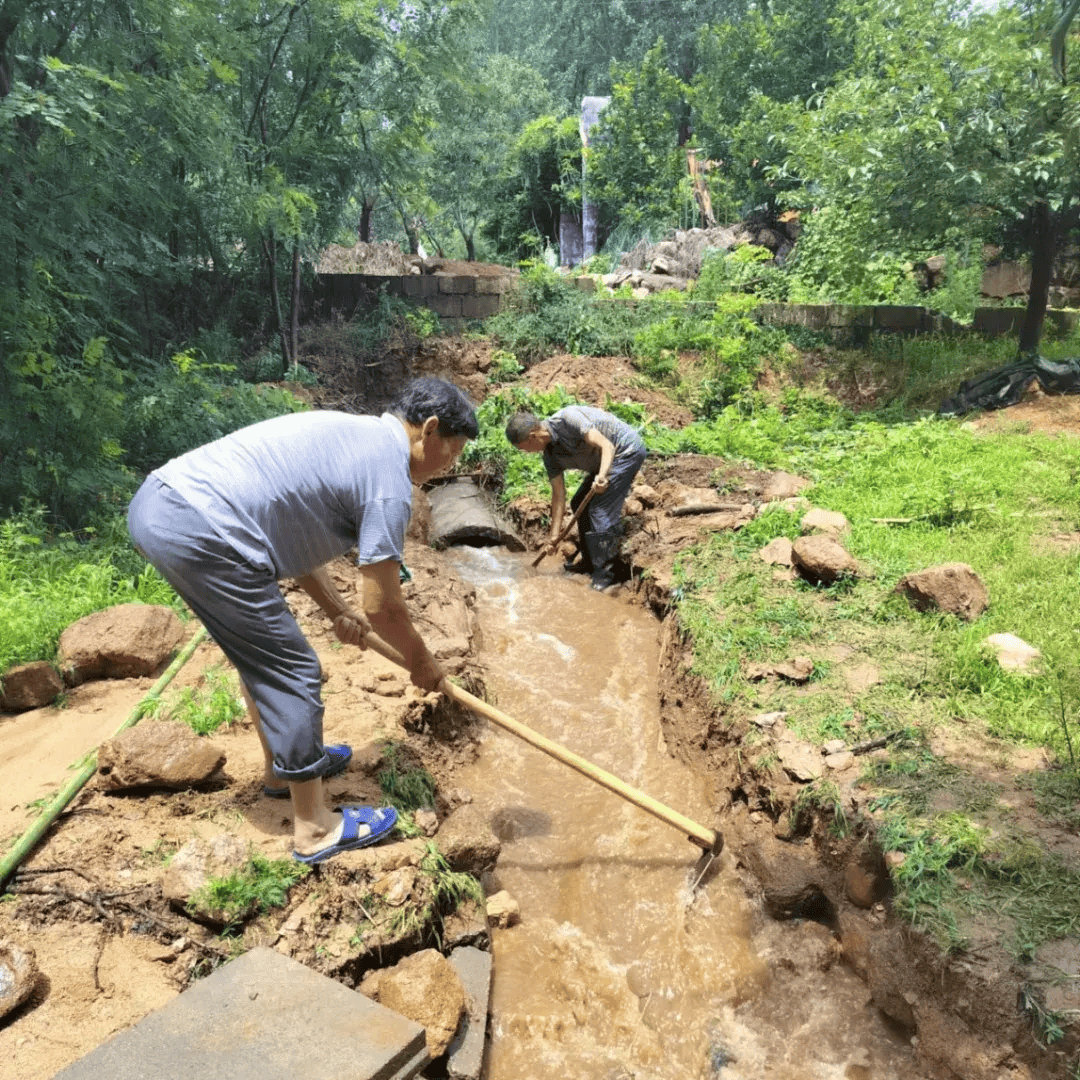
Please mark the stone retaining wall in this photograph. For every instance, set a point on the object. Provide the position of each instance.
(857, 322)
(458, 298)
(455, 298)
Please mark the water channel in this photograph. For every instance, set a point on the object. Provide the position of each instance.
(625, 964)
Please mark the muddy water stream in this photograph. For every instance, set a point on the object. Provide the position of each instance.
(620, 966)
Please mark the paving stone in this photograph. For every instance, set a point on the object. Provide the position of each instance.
(466, 1054)
(262, 1017)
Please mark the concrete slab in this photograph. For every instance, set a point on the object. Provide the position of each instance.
(262, 1017)
(466, 1054)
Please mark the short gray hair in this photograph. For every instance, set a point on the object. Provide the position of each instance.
(520, 426)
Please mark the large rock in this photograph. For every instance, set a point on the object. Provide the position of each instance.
(18, 975)
(425, 988)
(29, 686)
(953, 588)
(196, 863)
(120, 642)
(821, 560)
(157, 754)
(467, 842)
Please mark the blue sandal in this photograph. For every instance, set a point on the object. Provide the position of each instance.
(380, 822)
(340, 756)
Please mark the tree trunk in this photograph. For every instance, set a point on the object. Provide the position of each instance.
(270, 250)
(294, 314)
(366, 212)
(1043, 233)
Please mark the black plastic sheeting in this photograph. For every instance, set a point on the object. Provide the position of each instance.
(463, 513)
(1006, 385)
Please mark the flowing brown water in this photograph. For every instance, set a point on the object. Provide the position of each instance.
(620, 966)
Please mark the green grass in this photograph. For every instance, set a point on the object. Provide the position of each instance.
(49, 580)
(215, 703)
(262, 884)
(405, 786)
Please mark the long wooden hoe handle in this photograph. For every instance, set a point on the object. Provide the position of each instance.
(569, 525)
(697, 834)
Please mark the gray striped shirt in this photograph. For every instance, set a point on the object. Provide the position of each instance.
(292, 493)
(568, 448)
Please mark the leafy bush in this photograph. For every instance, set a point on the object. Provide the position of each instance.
(48, 581)
(191, 402)
(835, 262)
(546, 312)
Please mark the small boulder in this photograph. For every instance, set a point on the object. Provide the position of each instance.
(503, 910)
(782, 485)
(824, 521)
(29, 686)
(197, 862)
(157, 754)
(953, 588)
(467, 842)
(425, 988)
(18, 975)
(777, 552)
(821, 560)
(121, 642)
(1013, 653)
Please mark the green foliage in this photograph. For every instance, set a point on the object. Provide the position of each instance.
(449, 887)
(540, 179)
(214, 703)
(835, 262)
(729, 347)
(49, 580)
(261, 885)
(547, 312)
(189, 403)
(636, 167)
(504, 367)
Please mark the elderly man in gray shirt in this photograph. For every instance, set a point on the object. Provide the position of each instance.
(279, 499)
(610, 452)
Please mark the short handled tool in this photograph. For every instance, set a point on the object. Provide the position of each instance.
(568, 526)
(706, 839)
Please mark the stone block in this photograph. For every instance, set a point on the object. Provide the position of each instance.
(262, 1017)
(456, 284)
(479, 307)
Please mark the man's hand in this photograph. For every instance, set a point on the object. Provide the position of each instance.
(427, 674)
(352, 628)
(600, 484)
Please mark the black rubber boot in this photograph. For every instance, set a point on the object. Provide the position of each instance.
(602, 548)
(581, 563)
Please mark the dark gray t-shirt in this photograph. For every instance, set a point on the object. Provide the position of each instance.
(568, 448)
(292, 493)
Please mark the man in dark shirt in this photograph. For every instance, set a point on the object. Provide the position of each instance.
(609, 451)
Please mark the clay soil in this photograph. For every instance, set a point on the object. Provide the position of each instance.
(88, 900)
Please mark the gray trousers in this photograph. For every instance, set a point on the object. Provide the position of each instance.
(244, 612)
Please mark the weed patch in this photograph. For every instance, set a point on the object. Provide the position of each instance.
(261, 885)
